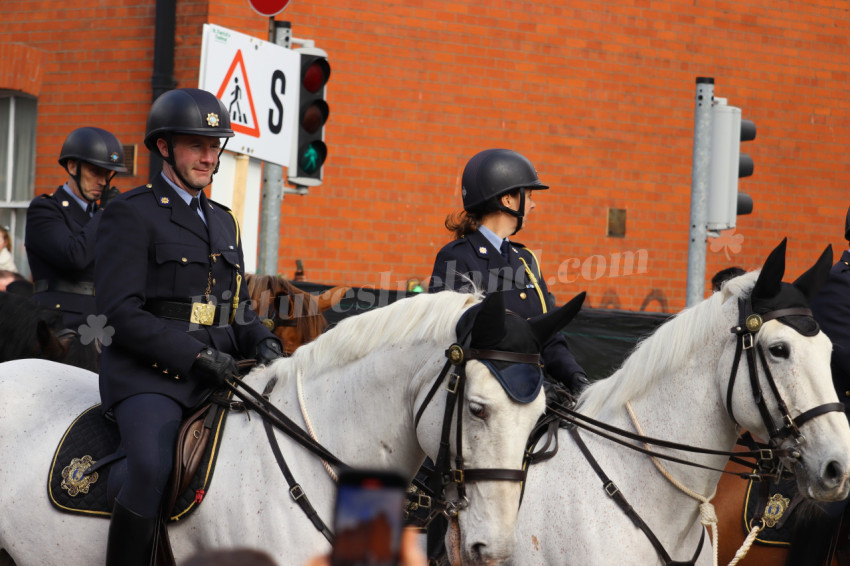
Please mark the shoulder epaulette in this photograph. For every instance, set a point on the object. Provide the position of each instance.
(218, 204)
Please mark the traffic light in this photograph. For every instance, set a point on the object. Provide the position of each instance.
(308, 142)
(728, 164)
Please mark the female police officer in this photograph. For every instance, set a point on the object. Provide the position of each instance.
(169, 271)
(496, 187)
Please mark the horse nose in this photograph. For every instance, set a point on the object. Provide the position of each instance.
(478, 552)
(833, 474)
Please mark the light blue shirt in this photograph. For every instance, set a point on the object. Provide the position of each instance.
(82, 202)
(493, 238)
(185, 196)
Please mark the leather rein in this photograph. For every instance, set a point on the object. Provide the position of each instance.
(457, 356)
(767, 459)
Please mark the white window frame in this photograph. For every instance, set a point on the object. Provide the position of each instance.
(17, 208)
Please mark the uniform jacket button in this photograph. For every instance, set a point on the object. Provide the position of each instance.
(523, 295)
(183, 259)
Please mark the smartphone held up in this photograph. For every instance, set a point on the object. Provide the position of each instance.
(368, 518)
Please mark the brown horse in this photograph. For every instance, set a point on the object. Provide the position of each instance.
(295, 316)
(729, 505)
(31, 330)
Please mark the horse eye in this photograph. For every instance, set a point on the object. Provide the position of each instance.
(478, 410)
(780, 350)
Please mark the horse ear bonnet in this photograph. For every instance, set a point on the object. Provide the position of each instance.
(492, 328)
(771, 294)
(487, 326)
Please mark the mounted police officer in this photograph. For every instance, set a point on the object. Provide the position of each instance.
(61, 227)
(169, 274)
(497, 186)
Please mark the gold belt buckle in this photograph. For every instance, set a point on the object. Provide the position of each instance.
(202, 313)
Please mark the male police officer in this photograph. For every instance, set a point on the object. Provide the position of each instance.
(61, 227)
(169, 275)
(496, 188)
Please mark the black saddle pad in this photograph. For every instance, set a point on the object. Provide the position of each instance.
(779, 516)
(92, 438)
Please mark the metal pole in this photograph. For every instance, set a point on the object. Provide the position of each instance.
(699, 191)
(280, 34)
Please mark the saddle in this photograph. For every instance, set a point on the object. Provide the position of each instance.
(79, 472)
(777, 502)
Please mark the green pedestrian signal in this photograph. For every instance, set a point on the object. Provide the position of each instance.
(309, 151)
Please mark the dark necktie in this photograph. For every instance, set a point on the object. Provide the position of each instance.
(505, 251)
(193, 204)
(90, 209)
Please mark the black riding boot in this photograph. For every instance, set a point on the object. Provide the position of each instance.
(132, 538)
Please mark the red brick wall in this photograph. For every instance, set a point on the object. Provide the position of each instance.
(599, 95)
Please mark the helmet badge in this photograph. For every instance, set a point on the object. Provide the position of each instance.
(113, 157)
(212, 120)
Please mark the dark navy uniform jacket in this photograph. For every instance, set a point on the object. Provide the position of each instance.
(524, 289)
(151, 246)
(831, 308)
(60, 250)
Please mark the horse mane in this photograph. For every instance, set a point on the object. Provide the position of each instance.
(427, 317)
(666, 350)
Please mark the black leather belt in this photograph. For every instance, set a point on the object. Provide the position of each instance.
(195, 313)
(64, 286)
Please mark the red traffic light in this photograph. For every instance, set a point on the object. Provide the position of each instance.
(316, 75)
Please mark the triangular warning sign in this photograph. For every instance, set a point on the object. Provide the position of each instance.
(243, 118)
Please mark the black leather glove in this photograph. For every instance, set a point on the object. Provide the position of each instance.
(108, 195)
(267, 351)
(578, 382)
(214, 367)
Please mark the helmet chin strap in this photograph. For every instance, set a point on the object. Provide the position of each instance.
(519, 214)
(76, 177)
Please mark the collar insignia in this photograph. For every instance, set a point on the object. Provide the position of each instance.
(74, 480)
(164, 200)
(64, 203)
(776, 506)
(482, 250)
(212, 120)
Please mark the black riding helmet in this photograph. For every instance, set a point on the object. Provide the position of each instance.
(493, 173)
(95, 146)
(186, 111)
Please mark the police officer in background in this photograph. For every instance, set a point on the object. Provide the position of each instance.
(497, 185)
(813, 538)
(169, 274)
(61, 227)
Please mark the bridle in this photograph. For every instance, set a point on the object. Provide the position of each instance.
(457, 355)
(749, 324)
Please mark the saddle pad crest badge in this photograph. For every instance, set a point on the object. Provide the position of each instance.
(775, 508)
(73, 479)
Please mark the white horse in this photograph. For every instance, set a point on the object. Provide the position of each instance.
(676, 385)
(361, 386)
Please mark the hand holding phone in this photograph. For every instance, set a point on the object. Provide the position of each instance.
(368, 518)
